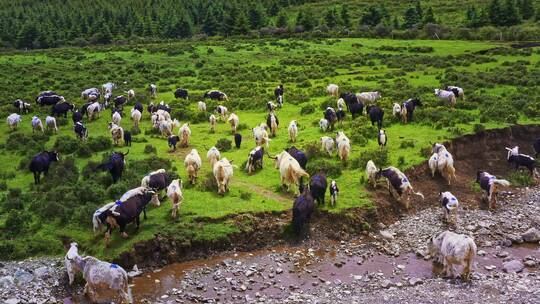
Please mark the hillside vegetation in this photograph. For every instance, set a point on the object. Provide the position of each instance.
(501, 86)
(45, 24)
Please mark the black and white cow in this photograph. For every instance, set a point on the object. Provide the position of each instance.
(317, 186)
(49, 100)
(255, 159)
(22, 106)
(376, 115)
(299, 155)
(278, 94)
(115, 165)
(237, 140)
(331, 116)
(80, 130)
(490, 184)
(334, 192)
(409, 105)
(153, 90)
(398, 184)
(181, 93)
(45, 93)
(521, 160)
(61, 109)
(41, 162)
(120, 101)
(340, 113)
(76, 116)
(139, 106)
(302, 209)
(216, 95)
(91, 94)
(270, 106)
(157, 180)
(382, 138)
(173, 141)
(162, 106)
(128, 211)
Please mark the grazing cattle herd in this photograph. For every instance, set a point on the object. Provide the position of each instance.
(448, 247)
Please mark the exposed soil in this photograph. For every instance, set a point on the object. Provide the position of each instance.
(482, 151)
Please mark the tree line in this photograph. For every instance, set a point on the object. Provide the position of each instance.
(52, 23)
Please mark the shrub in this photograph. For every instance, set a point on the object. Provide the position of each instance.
(479, 128)
(307, 109)
(149, 149)
(312, 150)
(332, 168)
(245, 195)
(99, 143)
(84, 150)
(407, 143)
(223, 145)
(15, 223)
(379, 157)
(66, 144)
(401, 161)
(521, 179)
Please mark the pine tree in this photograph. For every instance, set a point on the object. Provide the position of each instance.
(411, 18)
(511, 14)
(282, 19)
(211, 24)
(257, 16)
(330, 17)
(526, 9)
(372, 17)
(273, 10)
(428, 16)
(242, 25)
(26, 36)
(419, 11)
(395, 23)
(345, 17)
(496, 14)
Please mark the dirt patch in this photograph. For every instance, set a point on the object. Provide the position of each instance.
(481, 151)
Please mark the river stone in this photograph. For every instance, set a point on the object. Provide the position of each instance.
(513, 266)
(42, 272)
(23, 277)
(387, 235)
(415, 281)
(12, 301)
(7, 282)
(530, 263)
(531, 236)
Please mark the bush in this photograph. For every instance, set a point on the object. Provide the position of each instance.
(15, 223)
(479, 128)
(379, 157)
(223, 145)
(407, 143)
(99, 143)
(245, 195)
(149, 149)
(307, 109)
(521, 179)
(84, 150)
(401, 161)
(66, 144)
(312, 150)
(332, 168)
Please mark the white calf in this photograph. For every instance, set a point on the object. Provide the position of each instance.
(332, 89)
(223, 172)
(136, 116)
(371, 173)
(450, 206)
(193, 164)
(323, 124)
(50, 122)
(293, 130)
(184, 134)
(116, 118)
(37, 124)
(213, 123)
(233, 120)
(327, 144)
(453, 249)
(213, 156)
(13, 121)
(201, 105)
(343, 146)
(174, 192)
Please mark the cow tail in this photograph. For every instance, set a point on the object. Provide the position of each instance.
(453, 100)
(417, 193)
(145, 181)
(501, 182)
(95, 222)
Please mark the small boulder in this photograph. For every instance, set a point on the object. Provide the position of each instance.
(531, 236)
(513, 266)
(387, 235)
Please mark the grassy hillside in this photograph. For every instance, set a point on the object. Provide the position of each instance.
(501, 86)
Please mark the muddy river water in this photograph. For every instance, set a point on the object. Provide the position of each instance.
(275, 272)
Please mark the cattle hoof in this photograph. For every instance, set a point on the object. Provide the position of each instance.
(124, 235)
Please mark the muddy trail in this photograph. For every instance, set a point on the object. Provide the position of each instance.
(482, 151)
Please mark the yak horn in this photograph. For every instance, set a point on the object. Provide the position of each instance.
(270, 156)
(127, 152)
(508, 149)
